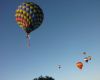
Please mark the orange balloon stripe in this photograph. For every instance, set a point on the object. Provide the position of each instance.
(23, 21)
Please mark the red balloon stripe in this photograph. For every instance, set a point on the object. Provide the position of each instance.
(23, 21)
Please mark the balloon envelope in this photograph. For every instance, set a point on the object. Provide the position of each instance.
(84, 53)
(89, 57)
(86, 59)
(79, 65)
(59, 66)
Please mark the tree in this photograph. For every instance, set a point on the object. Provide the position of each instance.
(44, 78)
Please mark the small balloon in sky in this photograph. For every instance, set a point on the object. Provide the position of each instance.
(29, 17)
(59, 66)
(79, 65)
(89, 57)
(86, 59)
(84, 53)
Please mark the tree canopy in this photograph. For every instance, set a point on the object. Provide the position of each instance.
(44, 78)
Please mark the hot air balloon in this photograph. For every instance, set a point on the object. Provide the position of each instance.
(89, 57)
(86, 59)
(29, 17)
(79, 65)
(84, 53)
(59, 66)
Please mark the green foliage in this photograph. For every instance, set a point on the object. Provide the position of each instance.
(44, 78)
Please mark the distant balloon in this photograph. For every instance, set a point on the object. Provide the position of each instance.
(86, 59)
(59, 66)
(79, 65)
(84, 53)
(89, 57)
(29, 17)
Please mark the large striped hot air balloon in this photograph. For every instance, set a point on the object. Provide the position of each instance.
(29, 17)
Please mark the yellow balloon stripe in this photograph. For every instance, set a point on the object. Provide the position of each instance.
(20, 10)
(27, 4)
(23, 7)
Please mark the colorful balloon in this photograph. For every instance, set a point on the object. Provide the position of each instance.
(86, 59)
(29, 17)
(89, 57)
(79, 65)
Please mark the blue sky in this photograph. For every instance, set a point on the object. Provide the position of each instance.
(70, 27)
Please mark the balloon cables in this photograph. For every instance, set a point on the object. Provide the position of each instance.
(28, 39)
